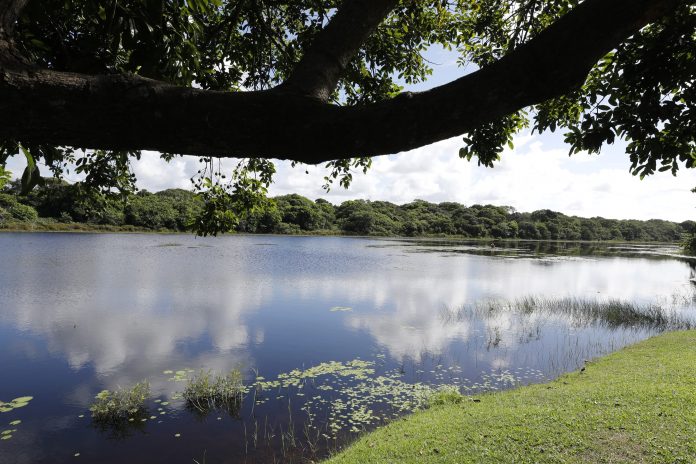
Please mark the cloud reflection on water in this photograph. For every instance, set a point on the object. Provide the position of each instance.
(128, 307)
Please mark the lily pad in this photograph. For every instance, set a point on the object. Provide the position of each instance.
(22, 399)
(15, 403)
(340, 309)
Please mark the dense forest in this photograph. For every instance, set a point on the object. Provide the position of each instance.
(57, 205)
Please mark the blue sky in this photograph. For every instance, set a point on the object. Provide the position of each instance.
(537, 174)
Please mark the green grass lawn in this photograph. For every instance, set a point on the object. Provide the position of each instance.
(636, 405)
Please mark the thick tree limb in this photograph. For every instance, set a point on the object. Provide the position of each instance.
(9, 12)
(320, 68)
(129, 112)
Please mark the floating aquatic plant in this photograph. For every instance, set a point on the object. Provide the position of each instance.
(11, 406)
(181, 375)
(15, 403)
(7, 434)
(340, 309)
(341, 397)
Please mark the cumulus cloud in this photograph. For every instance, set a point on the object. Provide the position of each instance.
(536, 174)
(154, 174)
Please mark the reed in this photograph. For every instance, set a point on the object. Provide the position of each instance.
(205, 392)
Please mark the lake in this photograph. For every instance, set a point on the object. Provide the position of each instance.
(332, 335)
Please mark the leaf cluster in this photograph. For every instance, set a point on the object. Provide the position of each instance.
(644, 92)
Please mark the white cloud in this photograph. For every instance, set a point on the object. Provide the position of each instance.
(535, 175)
(154, 174)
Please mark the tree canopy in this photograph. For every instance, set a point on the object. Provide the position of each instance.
(91, 83)
(58, 205)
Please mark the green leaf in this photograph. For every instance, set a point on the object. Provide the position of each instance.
(31, 176)
(22, 399)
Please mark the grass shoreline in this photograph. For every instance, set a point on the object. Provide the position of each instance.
(635, 405)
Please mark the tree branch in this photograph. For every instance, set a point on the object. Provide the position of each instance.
(9, 12)
(130, 112)
(319, 70)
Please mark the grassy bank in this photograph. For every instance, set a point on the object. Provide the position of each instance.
(636, 405)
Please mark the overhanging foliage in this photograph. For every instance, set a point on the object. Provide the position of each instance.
(319, 82)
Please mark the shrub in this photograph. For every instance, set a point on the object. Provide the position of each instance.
(690, 245)
(120, 404)
(23, 212)
(446, 395)
(288, 229)
(205, 391)
(7, 201)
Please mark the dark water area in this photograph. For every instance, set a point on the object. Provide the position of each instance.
(333, 335)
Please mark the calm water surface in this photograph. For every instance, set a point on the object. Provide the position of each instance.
(80, 313)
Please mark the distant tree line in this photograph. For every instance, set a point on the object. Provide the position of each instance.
(58, 203)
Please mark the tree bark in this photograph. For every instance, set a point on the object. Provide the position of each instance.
(319, 70)
(130, 112)
(9, 12)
